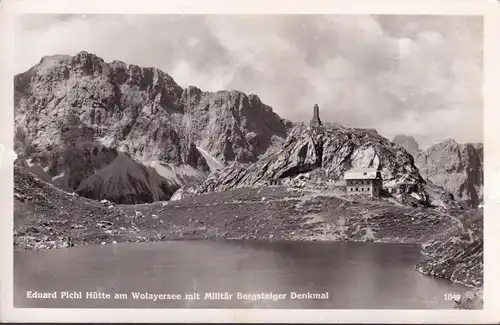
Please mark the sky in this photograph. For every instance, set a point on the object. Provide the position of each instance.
(400, 74)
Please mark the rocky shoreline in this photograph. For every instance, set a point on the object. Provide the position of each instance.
(47, 218)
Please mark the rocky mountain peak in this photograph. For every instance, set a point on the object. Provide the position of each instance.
(449, 141)
(88, 63)
(407, 142)
(455, 167)
(53, 61)
(330, 150)
(139, 111)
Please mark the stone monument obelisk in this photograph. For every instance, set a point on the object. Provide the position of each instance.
(315, 120)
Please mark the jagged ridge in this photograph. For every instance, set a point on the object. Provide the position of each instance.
(455, 167)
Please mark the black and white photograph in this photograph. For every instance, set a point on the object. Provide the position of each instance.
(248, 161)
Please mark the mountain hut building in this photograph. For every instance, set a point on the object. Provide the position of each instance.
(363, 181)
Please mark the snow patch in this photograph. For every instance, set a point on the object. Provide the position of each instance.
(106, 141)
(177, 195)
(175, 173)
(213, 163)
(58, 176)
(415, 195)
(390, 183)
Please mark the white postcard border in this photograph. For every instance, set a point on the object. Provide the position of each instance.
(489, 9)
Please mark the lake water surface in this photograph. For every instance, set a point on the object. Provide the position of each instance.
(347, 275)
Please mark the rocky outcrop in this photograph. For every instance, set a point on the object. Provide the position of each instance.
(458, 168)
(74, 114)
(407, 142)
(332, 149)
(457, 253)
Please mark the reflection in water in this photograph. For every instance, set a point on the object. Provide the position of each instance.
(355, 275)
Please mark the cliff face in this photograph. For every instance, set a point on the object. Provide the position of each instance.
(455, 167)
(407, 142)
(480, 152)
(74, 114)
(333, 150)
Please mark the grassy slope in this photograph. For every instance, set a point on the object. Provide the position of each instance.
(46, 217)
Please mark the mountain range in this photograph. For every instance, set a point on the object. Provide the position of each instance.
(130, 135)
(74, 115)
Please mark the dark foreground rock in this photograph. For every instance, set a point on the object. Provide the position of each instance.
(126, 181)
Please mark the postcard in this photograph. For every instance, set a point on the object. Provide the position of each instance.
(214, 161)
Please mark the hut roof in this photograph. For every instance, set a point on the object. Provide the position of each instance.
(362, 173)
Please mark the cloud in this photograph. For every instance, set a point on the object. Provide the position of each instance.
(399, 74)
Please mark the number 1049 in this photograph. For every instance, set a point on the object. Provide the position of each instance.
(452, 296)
